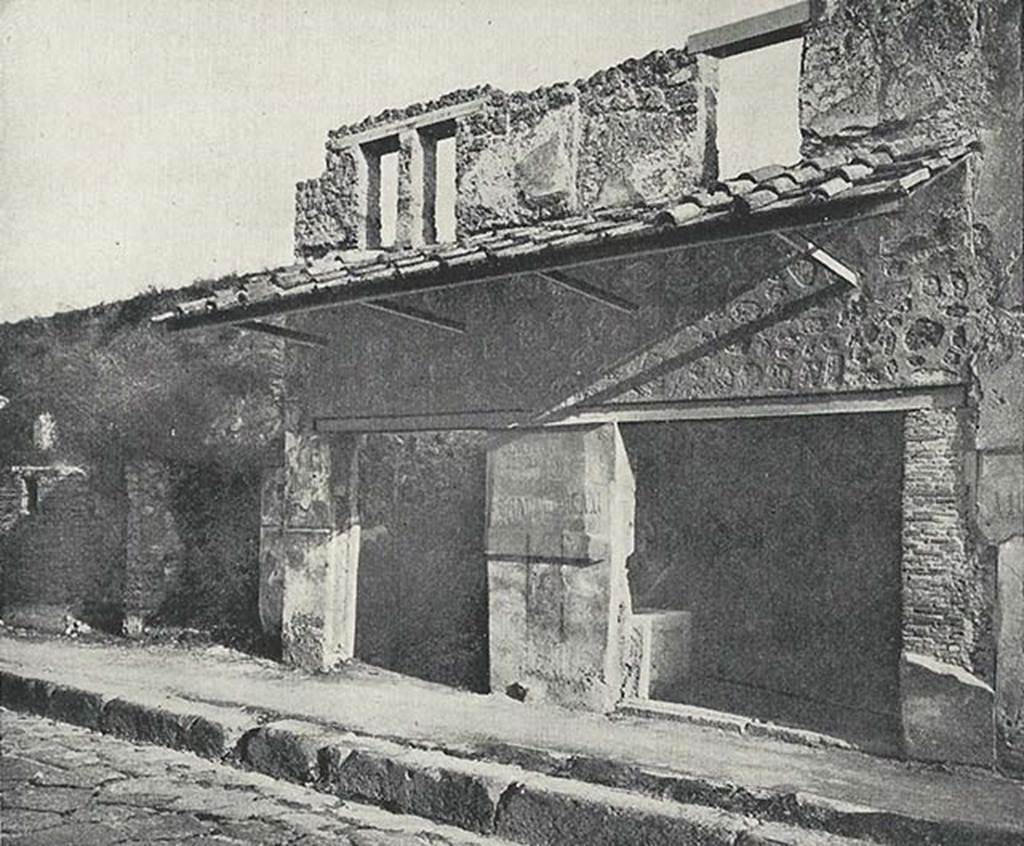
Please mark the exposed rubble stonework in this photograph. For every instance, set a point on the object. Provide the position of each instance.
(642, 131)
(60, 550)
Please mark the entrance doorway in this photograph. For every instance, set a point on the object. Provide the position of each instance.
(781, 538)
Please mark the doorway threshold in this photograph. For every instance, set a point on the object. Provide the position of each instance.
(733, 723)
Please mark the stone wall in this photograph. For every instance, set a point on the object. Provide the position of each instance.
(640, 131)
(122, 391)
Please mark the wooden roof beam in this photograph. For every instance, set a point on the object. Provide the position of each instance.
(820, 257)
(752, 33)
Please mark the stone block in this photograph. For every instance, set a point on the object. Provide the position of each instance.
(145, 723)
(307, 490)
(560, 512)
(666, 645)
(81, 707)
(552, 810)
(947, 714)
(1001, 495)
(506, 594)
(428, 784)
(319, 595)
(286, 749)
(1009, 625)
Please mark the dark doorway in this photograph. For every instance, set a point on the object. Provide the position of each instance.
(781, 537)
(422, 592)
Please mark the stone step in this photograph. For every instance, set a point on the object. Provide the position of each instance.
(524, 796)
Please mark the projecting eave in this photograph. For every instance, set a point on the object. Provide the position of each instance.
(837, 187)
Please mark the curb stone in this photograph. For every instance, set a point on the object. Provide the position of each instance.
(572, 800)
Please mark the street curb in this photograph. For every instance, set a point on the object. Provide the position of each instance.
(529, 796)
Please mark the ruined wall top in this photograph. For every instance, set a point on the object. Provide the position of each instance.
(641, 131)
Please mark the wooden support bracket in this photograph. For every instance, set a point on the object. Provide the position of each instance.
(418, 315)
(288, 334)
(819, 256)
(585, 289)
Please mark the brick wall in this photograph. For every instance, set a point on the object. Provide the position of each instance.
(63, 557)
(945, 610)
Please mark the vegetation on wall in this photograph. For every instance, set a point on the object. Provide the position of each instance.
(121, 389)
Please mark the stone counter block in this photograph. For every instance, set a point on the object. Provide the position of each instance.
(666, 645)
(948, 714)
(560, 527)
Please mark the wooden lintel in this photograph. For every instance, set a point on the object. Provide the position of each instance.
(821, 257)
(418, 315)
(293, 335)
(852, 402)
(585, 289)
(431, 422)
(420, 121)
(751, 33)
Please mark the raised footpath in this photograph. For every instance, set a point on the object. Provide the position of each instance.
(524, 773)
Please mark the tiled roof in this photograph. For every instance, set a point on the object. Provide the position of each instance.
(813, 187)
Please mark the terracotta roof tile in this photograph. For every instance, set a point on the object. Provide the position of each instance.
(892, 168)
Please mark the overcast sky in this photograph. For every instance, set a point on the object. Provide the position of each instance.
(152, 142)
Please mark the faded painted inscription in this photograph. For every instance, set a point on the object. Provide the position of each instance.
(515, 510)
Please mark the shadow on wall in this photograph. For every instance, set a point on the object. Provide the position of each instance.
(216, 511)
(422, 571)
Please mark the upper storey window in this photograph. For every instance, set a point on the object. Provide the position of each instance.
(381, 191)
(410, 184)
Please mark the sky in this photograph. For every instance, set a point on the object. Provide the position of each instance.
(149, 143)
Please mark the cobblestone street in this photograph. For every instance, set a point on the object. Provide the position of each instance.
(65, 785)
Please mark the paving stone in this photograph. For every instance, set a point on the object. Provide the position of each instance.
(164, 826)
(58, 799)
(386, 838)
(14, 769)
(154, 792)
(17, 821)
(256, 832)
(69, 834)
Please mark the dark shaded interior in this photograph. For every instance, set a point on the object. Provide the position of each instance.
(422, 591)
(782, 538)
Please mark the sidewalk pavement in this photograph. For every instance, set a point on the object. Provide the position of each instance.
(680, 761)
